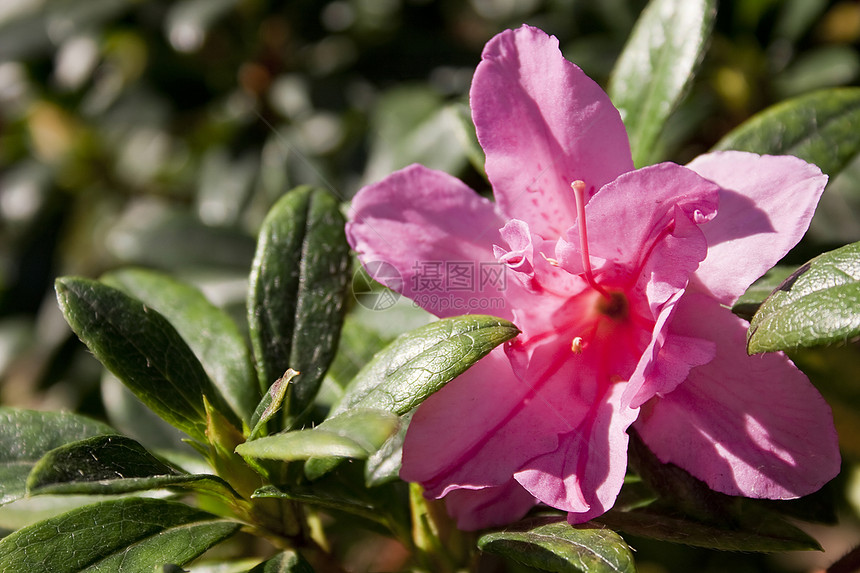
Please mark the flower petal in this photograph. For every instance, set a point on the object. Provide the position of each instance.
(669, 357)
(765, 209)
(436, 233)
(476, 431)
(745, 425)
(584, 474)
(645, 223)
(490, 506)
(543, 124)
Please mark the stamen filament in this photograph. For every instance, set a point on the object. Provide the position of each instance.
(578, 187)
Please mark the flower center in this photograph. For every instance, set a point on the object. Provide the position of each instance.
(610, 304)
(615, 307)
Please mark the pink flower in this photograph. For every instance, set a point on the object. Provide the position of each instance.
(637, 331)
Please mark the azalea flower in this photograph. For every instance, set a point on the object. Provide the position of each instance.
(620, 281)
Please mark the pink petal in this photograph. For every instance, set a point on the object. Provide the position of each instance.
(543, 124)
(437, 233)
(745, 425)
(644, 228)
(489, 507)
(584, 474)
(477, 430)
(669, 357)
(489, 423)
(520, 254)
(765, 209)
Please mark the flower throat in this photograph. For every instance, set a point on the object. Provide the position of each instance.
(612, 304)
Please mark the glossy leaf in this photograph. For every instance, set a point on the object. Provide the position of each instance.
(769, 533)
(142, 349)
(126, 535)
(208, 331)
(751, 300)
(297, 292)
(134, 419)
(112, 465)
(561, 547)
(822, 127)
(656, 67)
(354, 434)
(25, 436)
(817, 304)
(285, 562)
(422, 361)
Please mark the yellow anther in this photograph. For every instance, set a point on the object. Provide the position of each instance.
(576, 345)
(552, 262)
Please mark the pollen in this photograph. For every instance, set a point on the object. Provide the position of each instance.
(576, 345)
(552, 262)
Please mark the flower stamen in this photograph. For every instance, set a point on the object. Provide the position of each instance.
(578, 187)
(576, 345)
(552, 262)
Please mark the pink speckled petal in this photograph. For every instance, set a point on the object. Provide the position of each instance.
(436, 233)
(543, 124)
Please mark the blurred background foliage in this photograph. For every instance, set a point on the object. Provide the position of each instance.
(158, 133)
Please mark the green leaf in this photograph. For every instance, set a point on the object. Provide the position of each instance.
(285, 562)
(817, 304)
(422, 361)
(270, 404)
(112, 465)
(342, 501)
(751, 300)
(126, 535)
(560, 547)
(343, 491)
(384, 464)
(208, 331)
(766, 534)
(25, 436)
(354, 434)
(821, 127)
(296, 297)
(142, 349)
(359, 341)
(656, 66)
